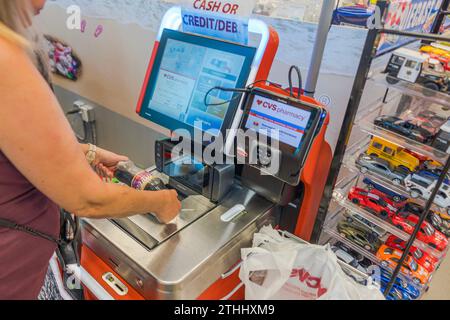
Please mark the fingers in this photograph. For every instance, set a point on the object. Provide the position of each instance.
(104, 172)
(172, 206)
(174, 193)
(122, 158)
(109, 158)
(177, 201)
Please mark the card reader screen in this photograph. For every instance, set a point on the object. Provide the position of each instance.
(267, 116)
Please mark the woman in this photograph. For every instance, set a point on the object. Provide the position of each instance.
(43, 167)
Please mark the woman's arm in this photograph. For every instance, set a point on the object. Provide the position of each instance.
(36, 137)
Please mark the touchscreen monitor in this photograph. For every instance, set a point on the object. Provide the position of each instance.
(186, 67)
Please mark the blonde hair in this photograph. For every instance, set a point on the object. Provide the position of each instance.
(15, 18)
(16, 27)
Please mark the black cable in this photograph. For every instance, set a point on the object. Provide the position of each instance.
(237, 90)
(300, 82)
(252, 85)
(241, 91)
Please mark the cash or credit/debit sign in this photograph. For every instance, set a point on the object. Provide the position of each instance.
(226, 20)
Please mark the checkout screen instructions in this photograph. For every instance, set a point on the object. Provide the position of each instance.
(187, 73)
(268, 116)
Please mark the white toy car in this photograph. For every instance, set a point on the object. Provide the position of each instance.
(421, 186)
(351, 258)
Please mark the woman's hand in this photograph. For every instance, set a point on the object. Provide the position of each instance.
(106, 162)
(170, 206)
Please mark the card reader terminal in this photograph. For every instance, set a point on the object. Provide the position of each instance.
(291, 123)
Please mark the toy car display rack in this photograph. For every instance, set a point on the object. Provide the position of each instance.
(332, 232)
(349, 163)
(340, 195)
(337, 188)
(353, 176)
(380, 79)
(367, 125)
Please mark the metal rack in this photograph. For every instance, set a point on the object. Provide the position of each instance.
(368, 56)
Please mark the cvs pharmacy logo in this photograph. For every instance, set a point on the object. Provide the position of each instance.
(268, 105)
(312, 282)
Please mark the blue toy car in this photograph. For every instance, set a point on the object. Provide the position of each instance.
(432, 176)
(389, 193)
(408, 291)
(395, 294)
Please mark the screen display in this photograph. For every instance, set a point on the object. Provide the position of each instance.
(186, 68)
(267, 116)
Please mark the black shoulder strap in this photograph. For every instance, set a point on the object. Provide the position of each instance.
(7, 224)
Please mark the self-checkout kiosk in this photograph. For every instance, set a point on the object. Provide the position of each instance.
(197, 256)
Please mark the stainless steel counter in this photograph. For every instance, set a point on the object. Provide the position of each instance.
(187, 257)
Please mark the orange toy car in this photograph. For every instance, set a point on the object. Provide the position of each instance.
(390, 257)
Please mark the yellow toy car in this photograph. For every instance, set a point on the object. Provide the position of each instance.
(444, 215)
(394, 154)
(435, 51)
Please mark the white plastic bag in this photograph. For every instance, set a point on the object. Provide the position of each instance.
(277, 268)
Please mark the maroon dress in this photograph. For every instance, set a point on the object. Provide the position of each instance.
(24, 258)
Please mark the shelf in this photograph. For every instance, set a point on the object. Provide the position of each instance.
(412, 89)
(331, 230)
(350, 164)
(374, 106)
(338, 238)
(422, 149)
(376, 262)
(364, 276)
(340, 195)
(407, 107)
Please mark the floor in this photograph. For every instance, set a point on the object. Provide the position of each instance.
(440, 284)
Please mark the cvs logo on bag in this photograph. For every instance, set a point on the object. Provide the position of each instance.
(312, 282)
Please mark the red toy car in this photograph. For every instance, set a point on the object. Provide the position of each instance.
(442, 59)
(424, 259)
(372, 201)
(427, 234)
(426, 125)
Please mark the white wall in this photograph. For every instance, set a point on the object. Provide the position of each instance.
(114, 64)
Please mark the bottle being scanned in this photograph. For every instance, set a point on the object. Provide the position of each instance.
(133, 176)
